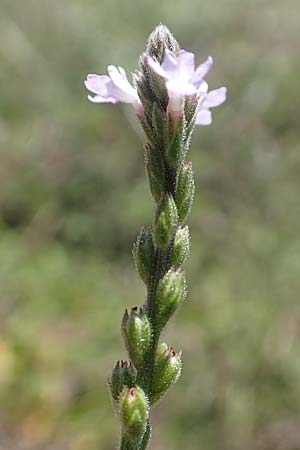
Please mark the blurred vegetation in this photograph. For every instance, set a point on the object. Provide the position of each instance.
(74, 194)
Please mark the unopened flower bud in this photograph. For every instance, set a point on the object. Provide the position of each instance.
(134, 413)
(185, 191)
(143, 252)
(123, 374)
(165, 222)
(181, 246)
(136, 332)
(159, 40)
(170, 293)
(167, 370)
(155, 172)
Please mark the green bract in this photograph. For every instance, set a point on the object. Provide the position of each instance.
(165, 222)
(123, 374)
(170, 292)
(134, 412)
(144, 252)
(185, 191)
(167, 370)
(136, 331)
(181, 246)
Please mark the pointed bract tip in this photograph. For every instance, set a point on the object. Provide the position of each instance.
(159, 40)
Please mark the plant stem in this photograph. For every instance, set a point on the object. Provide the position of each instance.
(146, 438)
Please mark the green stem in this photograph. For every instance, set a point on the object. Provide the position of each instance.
(146, 438)
(159, 267)
(125, 445)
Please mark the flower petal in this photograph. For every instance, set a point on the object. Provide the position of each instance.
(175, 104)
(100, 99)
(97, 83)
(180, 88)
(202, 71)
(113, 89)
(203, 117)
(215, 98)
(122, 89)
(156, 67)
(186, 65)
(170, 62)
(203, 88)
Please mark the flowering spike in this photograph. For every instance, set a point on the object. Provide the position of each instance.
(170, 96)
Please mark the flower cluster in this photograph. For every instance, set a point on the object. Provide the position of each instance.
(181, 79)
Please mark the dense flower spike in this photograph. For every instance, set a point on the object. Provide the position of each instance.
(170, 96)
(177, 70)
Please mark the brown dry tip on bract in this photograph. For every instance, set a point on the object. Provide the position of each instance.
(132, 391)
(172, 351)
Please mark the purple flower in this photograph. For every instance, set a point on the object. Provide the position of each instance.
(113, 88)
(182, 80)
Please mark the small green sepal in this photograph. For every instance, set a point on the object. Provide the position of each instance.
(143, 253)
(167, 370)
(181, 247)
(136, 331)
(155, 172)
(159, 124)
(175, 148)
(165, 222)
(190, 111)
(171, 291)
(185, 191)
(134, 413)
(123, 374)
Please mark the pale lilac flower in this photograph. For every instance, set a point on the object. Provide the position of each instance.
(113, 88)
(182, 80)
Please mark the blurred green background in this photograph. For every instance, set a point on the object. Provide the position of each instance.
(73, 196)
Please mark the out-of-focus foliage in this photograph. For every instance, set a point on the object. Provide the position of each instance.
(73, 196)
